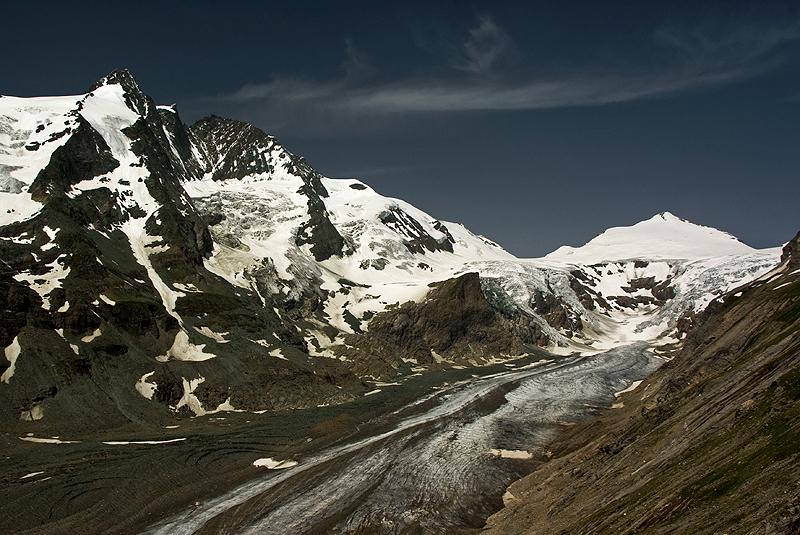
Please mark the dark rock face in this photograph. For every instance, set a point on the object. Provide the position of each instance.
(17, 302)
(455, 323)
(714, 433)
(454, 309)
(580, 285)
(374, 263)
(791, 252)
(646, 283)
(626, 301)
(319, 232)
(663, 292)
(234, 149)
(84, 156)
(177, 220)
(135, 99)
(418, 240)
(555, 312)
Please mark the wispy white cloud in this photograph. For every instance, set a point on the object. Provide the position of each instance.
(741, 50)
(357, 66)
(487, 44)
(691, 58)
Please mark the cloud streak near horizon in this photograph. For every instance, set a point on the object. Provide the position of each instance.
(691, 58)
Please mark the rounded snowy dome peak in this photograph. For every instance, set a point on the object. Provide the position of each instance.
(663, 236)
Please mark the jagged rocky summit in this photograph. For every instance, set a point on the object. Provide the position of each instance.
(149, 268)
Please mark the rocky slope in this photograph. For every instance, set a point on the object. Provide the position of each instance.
(150, 269)
(710, 443)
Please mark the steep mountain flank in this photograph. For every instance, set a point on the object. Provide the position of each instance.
(104, 294)
(708, 444)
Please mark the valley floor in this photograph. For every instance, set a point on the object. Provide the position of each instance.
(434, 452)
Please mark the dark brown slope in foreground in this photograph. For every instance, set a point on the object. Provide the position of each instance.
(709, 444)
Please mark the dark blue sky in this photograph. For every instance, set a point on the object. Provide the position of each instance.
(536, 123)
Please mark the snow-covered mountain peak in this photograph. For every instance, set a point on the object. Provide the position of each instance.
(122, 78)
(33, 128)
(211, 254)
(663, 236)
(135, 99)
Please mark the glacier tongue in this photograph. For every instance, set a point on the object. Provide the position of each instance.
(602, 305)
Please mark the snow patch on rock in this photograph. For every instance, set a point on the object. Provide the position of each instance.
(45, 283)
(189, 399)
(511, 454)
(145, 388)
(96, 334)
(272, 464)
(12, 353)
(183, 349)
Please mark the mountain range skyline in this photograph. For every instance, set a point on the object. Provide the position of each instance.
(535, 125)
(159, 278)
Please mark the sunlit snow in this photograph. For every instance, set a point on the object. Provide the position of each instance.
(634, 385)
(271, 464)
(46, 282)
(189, 399)
(31, 129)
(664, 236)
(146, 388)
(142, 442)
(182, 349)
(11, 354)
(54, 440)
(96, 334)
(208, 333)
(511, 454)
